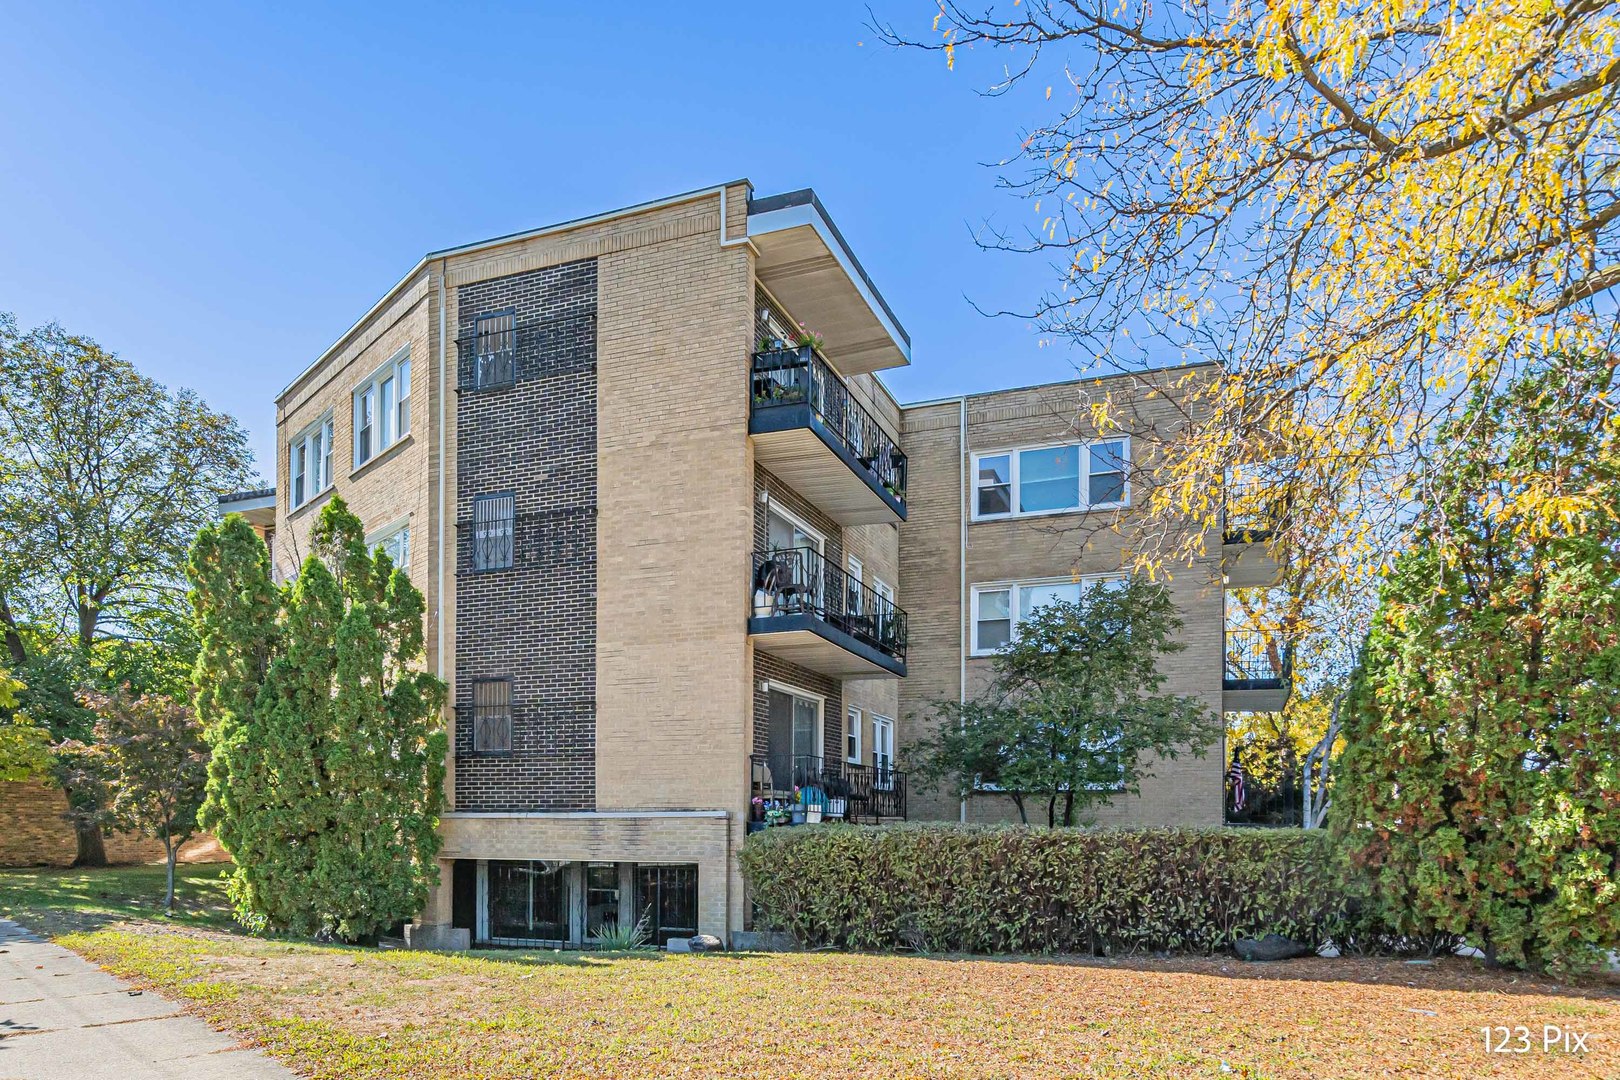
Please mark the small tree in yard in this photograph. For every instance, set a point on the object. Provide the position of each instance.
(328, 767)
(24, 746)
(1074, 707)
(156, 768)
(1476, 794)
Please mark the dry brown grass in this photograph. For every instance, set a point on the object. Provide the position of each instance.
(332, 1012)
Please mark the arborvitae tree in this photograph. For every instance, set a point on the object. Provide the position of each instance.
(328, 769)
(1476, 792)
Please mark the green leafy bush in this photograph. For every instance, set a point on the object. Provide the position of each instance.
(954, 888)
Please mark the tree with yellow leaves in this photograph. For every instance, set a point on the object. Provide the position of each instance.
(1361, 214)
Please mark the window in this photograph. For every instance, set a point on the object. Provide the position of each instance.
(310, 461)
(396, 542)
(995, 486)
(365, 419)
(852, 735)
(492, 715)
(998, 609)
(1051, 479)
(402, 420)
(382, 407)
(855, 602)
(793, 733)
(495, 349)
(1107, 474)
(601, 897)
(528, 902)
(883, 751)
(492, 532)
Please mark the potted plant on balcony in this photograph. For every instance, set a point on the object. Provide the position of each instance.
(804, 337)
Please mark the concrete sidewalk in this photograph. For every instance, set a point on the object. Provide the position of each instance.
(63, 1018)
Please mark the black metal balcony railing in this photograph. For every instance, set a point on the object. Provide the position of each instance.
(1253, 511)
(793, 789)
(1257, 660)
(1252, 803)
(783, 377)
(800, 581)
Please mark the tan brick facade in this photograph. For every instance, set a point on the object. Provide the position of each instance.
(1184, 791)
(679, 689)
(37, 835)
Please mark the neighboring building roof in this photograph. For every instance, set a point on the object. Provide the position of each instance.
(952, 399)
(258, 505)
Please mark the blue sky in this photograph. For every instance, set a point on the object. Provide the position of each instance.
(216, 192)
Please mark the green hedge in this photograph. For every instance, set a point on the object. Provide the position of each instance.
(953, 888)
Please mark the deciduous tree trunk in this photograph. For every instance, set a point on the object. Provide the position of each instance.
(92, 848)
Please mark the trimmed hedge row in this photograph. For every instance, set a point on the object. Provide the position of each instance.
(989, 889)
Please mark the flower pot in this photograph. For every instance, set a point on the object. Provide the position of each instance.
(798, 817)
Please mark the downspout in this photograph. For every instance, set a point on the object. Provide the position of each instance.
(439, 665)
(962, 598)
(439, 646)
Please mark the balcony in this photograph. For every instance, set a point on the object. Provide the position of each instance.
(807, 265)
(1251, 516)
(796, 790)
(1259, 667)
(808, 611)
(813, 435)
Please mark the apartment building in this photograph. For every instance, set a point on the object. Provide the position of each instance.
(667, 520)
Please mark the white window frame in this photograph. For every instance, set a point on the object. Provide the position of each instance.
(854, 725)
(772, 506)
(391, 532)
(1083, 479)
(884, 778)
(320, 478)
(1014, 616)
(385, 428)
(808, 695)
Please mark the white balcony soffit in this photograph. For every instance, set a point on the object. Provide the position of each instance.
(805, 263)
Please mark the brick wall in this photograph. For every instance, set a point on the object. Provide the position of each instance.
(35, 833)
(535, 622)
(1188, 790)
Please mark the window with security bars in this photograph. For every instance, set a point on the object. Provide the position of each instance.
(492, 532)
(492, 714)
(495, 349)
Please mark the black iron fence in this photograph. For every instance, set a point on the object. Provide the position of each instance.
(784, 377)
(789, 789)
(1276, 803)
(1253, 510)
(1257, 660)
(801, 581)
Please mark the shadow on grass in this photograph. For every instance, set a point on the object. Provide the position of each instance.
(1450, 974)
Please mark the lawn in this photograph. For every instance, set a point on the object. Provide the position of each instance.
(336, 1012)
